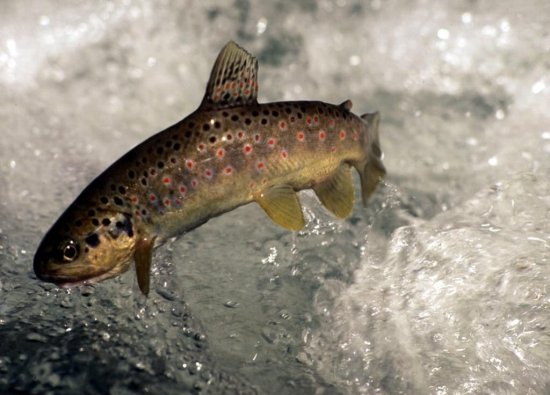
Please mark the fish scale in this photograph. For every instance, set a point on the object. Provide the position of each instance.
(231, 151)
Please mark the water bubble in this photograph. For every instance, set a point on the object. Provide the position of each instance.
(354, 60)
(231, 304)
(466, 18)
(538, 87)
(493, 161)
(261, 26)
(443, 34)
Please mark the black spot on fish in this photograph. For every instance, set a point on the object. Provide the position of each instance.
(92, 240)
(118, 201)
(144, 181)
(255, 113)
(160, 164)
(191, 125)
(247, 121)
(168, 144)
(177, 146)
(275, 113)
(91, 213)
(78, 223)
(113, 187)
(122, 190)
(234, 118)
(105, 222)
(131, 174)
(225, 114)
(288, 110)
(212, 139)
(206, 127)
(125, 226)
(160, 150)
(217, 124)
(95, 222)
(263, 121)
(188, 134)
(104, 200)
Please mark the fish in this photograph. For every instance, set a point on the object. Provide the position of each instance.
(231, 151)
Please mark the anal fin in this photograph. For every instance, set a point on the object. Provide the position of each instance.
(281, 204)
(336, 192)
(143, 255)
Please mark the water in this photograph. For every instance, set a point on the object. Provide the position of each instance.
(439, 287)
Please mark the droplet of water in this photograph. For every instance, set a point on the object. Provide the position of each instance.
(35, 337)
(231, 304)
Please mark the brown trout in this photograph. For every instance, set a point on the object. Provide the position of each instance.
(231, 151)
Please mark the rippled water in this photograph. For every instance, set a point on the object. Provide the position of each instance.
(439, 287)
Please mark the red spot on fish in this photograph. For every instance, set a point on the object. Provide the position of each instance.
(182, 189)
(167, 202)
(331, 123)
(308, 121)
(134, 199)
(252, 184)
(153, 172)
(240, 134)
(201, 147)
(220, 153)
(166, 180)
(177, 201)
(194, 183)
(229, 136)
(228, 170)
(260, 166)
(137, 213)
(342, 134)
(284, 154)
(189, 164)
(333, 149)
(300, 136)
(282, 125)
(173, 160)
(257, 137)
(152, 197)
(322, 135)
(247, 149)
(271, 142)
(247, 92)
(316, 119)
(208, 173)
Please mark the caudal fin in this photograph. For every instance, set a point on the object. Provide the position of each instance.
(371, 170)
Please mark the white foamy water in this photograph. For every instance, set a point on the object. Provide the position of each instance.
(439, 287)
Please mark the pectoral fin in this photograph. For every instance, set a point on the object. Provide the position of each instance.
(336, 193)
(281, 204)
(142, 257)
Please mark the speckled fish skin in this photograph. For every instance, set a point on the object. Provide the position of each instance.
(230, 152)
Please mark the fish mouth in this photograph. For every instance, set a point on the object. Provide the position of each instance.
(65, 280)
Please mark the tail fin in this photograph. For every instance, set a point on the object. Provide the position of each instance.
(371, 170)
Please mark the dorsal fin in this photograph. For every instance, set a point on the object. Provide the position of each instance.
(233, 81)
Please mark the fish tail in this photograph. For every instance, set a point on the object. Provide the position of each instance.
(371, 169)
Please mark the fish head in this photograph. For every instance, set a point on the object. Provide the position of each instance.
(80, 250)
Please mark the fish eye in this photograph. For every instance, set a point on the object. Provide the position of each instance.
(70, 251)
